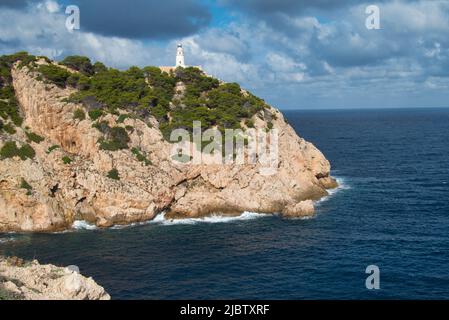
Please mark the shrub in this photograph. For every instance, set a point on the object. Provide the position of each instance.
(140, 156)
(99, 67)
(122, 118)
(26, 152)
(79, 63)
(54, 74)
(102, 126)
(145, 92)
(73, 79)
(129, 89)
(25, 185)
(9, 108)
(34, 137)
(83, 83)
(249, 123)
(113, 174)
(79, 114)
(270, 125)
(117, 139)
(120, 135)
(66, 160)
(95, 114)
(10, 150)
(8, 128)
(52, 148)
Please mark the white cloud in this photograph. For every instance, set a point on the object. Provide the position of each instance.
(332, 61)
(41, 30)
(52, 6)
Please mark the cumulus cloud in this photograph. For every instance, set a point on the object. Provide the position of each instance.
(41, 30)
(293, 53)
(13, 3)
(143, 19)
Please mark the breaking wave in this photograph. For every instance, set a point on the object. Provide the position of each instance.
(83, 225)
(342, 185)
(215, 218)
(5, 240)
(161, 219)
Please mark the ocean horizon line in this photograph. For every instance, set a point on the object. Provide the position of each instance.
(362, 109)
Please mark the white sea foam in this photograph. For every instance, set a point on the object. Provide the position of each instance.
(160, 219)
(5, 240)
(342, 185)
(83, 225)
(215, 218)
(135, 224)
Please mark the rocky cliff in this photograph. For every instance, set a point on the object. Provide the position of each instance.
(20, 280)
(70, 177)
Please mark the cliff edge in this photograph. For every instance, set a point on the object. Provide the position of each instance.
(20, 280)
(76, 150)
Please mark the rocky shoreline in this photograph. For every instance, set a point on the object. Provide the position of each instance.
(29, 280)
(69, 176)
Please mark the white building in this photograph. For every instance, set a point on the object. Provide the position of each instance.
(180, 61)
(180, 57)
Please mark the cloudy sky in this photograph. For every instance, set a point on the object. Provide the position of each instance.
(295, 54)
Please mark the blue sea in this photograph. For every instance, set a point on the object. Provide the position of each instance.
(391, 210)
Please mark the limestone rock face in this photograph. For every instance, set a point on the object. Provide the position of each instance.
(32, 281)
(63, 193)
(298, 210)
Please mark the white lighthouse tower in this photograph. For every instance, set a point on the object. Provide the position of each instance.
(180, 57)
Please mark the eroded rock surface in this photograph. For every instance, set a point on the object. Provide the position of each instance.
(33, 281)
(80, 190)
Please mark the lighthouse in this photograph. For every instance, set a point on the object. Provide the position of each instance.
(180, 57)
(180, 62)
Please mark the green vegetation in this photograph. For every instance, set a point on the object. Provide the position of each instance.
(102, 126)
(9, 107)
(25, 185)
(52, 148)
(7, 61)
(122, 118)
(225, 107)
(140, 91)
(54, 74)
(79, 114)
(95, 114)
(9, 128)
(137, 93)
(148, 91)
(78, 81)
(113, 174)
(10, 150)
(78, 63)
(99, 67)
(66, 160)
(140, 156)
(116, 138)
(26, 152)
(34, 137)
(249, 123)
(7, 295)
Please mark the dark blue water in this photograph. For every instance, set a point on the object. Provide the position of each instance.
(392, 212)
